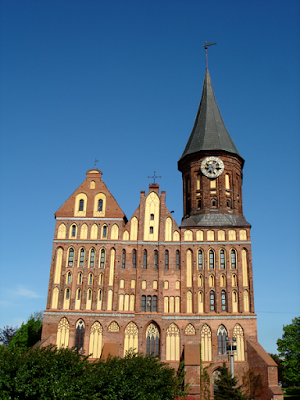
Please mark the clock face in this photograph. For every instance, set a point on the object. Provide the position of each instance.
(212, 167)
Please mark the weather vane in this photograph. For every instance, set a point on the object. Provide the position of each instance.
(95, 162)
(206, 45)
(154, 177)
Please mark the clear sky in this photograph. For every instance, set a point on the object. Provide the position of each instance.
(121, 81)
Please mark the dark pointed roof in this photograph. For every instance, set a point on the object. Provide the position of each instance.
(209, 131)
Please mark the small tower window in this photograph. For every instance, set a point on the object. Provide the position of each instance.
(151, 229)
(233, 259)
(78, 294)
(90, 279)
(223, 300)
(67, 294)
(222, 259)
(102, 258)
(71, 257)
(212, 300)
(151, 217)
(104, 232)
(69, 277)
(167, 259)
(80, 278)
(79, 335)
(200, 259)
(155, 259)
(100, 205)
(211, 259)
(92, 258)
(81, 260)
(199, 204)
(149, 303)
(143, 303)
(81, 204)
(123, 258)
(177, 259)
(214, 203)
(154, 309)
(228, 203)
(134, 259)
(145, 259)
(222, 340)
(73, 230)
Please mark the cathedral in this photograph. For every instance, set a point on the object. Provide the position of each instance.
(144, 283)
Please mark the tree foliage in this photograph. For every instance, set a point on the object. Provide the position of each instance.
(226, 386)
(51, 373)
(252, 384)
(6, 333)
(29, 333)
(289, 349)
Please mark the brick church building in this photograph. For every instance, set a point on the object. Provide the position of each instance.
(151, 285)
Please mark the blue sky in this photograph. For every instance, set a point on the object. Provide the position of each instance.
(121, 81)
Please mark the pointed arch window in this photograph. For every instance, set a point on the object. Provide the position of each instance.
(79, 278)
(81, 204)
(222, 259)
(134, 259)
(101, 279)
(81, 258)
(152, 339)
(104, 231)
(200, 259)
(145, 259)
(149, 303)
(68, 294)
(155, 259)
(177, 259)
(92, 258)
(212, 300)
(90, 279)
(223, 301)
(143, 307)
(69, 277)
(123, 258)
(100, 205)
(167, 259)
(79, 335)
(102, 258)
(222, 340)
(154, 309)
(211, 259)
(73, 233)
(233, 259)
(71, 257)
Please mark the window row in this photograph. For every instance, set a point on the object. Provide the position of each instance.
(153, 339)
(81, 205)
(211, 259)
(94, 232)
(90, 279)
(220, 235)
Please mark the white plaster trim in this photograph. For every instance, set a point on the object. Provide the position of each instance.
(93, 314)
(88, 219)
(203, 317)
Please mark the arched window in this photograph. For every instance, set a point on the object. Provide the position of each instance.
(214, 203)
(81, 204)
(200, 280)
(95, 347)
(211, 281)
(78, 299)
(100, 205)
(104, 231)
(234, 280)
(149, 303)
(206, 343)
(145, 259)
(123, 258)
(71, 257)
(90, 279)
(233, 259)
(222, 340)
(167, 259)
(81, 258)
(166, 304)
(89, 299)
(143, 308)
(223, 300)
(177, 259)
(211, 259)
(152, 339)
(131, 337)
(155, 259)
(173, 343)
(234, 301)
(73, 234)
(63, 332)
(212, 300)
(238, 333)
(151, 217)
(222, 259)
(189, 302)
(79, 278)
(101, 279)
(200, 302)
(154, 306)
(99, 302)
(69, 277)
(68, 294)
(92, 258)
(102, 258)
(200, 259)
(79, 335)
(215, 377)
(134, 258)
(223, 280)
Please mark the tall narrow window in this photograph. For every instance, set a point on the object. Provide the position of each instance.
(167, 259)
(143, 303)
(92, 258)
(81, 260)
(71, 257)
(223, 301)
(123, 258)
(211, 259)
(90, 279)
(69, 277)
(145, 259)
(200, 259)
(101, 279)
(102, 258)
(104, 232)
(222, 340)
(222, 259)
(152, 217)
(154, 309)
(177, 259)
(79, 278)
(152, 340)
(100, 205)
(155, 259)
(79, 335)
(67, 294)
(212, 300)
(81, 204)
(233, 259)
(73, 230)
(149, 303)
(134, 259)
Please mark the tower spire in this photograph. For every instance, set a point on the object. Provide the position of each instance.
(206, 45)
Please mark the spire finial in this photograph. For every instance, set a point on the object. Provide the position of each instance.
(154, 177)
(95, 162)
(206, 46)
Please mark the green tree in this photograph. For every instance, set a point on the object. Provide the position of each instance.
(6, 333)
(252, 384)
(289, 349)
(226, 386)
(29, 333)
